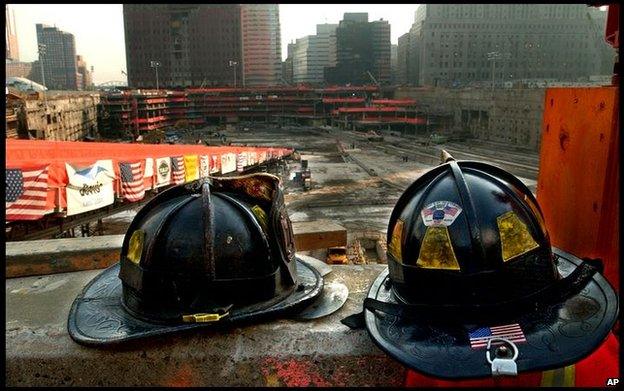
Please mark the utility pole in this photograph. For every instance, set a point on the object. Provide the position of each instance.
(155, 65)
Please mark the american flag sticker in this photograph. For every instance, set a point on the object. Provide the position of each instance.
(440, 213)
(480, 337)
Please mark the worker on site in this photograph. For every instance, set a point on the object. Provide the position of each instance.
(474, 294)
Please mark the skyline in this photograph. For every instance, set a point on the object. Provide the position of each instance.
(102, 44)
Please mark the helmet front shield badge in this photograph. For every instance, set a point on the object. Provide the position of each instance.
(195, 255)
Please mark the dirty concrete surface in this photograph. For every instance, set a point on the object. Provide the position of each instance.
(320, 352)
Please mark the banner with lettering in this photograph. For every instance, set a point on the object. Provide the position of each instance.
(191, 171)
(215, 164)
(148, 175)
(204, 166)
(228, 163)
(90, 187)
(163, 171)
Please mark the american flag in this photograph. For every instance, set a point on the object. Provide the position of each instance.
(177, 170)
(450, 210)
(132, 184)
(479, 337)
(26, 194)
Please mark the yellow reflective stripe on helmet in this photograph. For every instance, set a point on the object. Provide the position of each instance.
(261, 216)
(394, 248)
(203, 318)
(514, 235)
(135, 246)
(436, 251)
(560, 377)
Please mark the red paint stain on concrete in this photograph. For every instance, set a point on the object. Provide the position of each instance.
(182, 377)
(293, 373)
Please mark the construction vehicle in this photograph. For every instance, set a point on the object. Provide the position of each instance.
(374, 136)
(337, 255)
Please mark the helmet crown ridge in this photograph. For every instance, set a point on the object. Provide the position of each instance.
(464, 229)
(199, 243)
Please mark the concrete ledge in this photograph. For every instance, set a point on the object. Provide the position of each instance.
(322, 352)
(312, 235)
(40, 257)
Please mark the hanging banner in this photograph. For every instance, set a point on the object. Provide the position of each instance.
(177, 170)
(215, 164)
(241, 161)
(148, 175)
(253, 158)
(89, 187)
(228, 163)
(163, 171)
(191, 169)
(204, 166)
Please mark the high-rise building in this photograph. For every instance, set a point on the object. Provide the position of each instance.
(261, 44)
(313, 53)
(84, 73)
(12, 51)
(393, 63)
(362, 51)
(186, 44)
(462, 44)
(287, 65)
(59, 58)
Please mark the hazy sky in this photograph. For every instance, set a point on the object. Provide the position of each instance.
(98, 28)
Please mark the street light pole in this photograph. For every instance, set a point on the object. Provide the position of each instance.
(155, 65)
(234, 64)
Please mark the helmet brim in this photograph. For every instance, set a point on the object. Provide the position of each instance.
(557, 335)
(97, 316)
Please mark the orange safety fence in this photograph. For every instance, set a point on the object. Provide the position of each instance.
(26, 155)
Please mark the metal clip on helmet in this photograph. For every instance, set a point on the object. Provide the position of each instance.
(469, 259)
(194, 255)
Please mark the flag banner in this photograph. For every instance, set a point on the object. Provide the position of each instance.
(131, 176)
(149, 168)
(148, 175)
(90, 188)
(228, 163)
(177, 170)
(215, 164)
(241, 161)
(479, 338)
(253, 158)
(204, 166)
(26, 194)
(163, 171)
(191, 171)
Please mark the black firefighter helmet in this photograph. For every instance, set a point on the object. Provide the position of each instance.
(470, 265)
(198, 254)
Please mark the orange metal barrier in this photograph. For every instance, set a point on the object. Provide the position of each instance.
(578, 183)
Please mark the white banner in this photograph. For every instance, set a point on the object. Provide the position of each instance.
(228, 163)
(163, 171)
(90, 187)
(149, 167)
(204, 166)
(215, 163)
